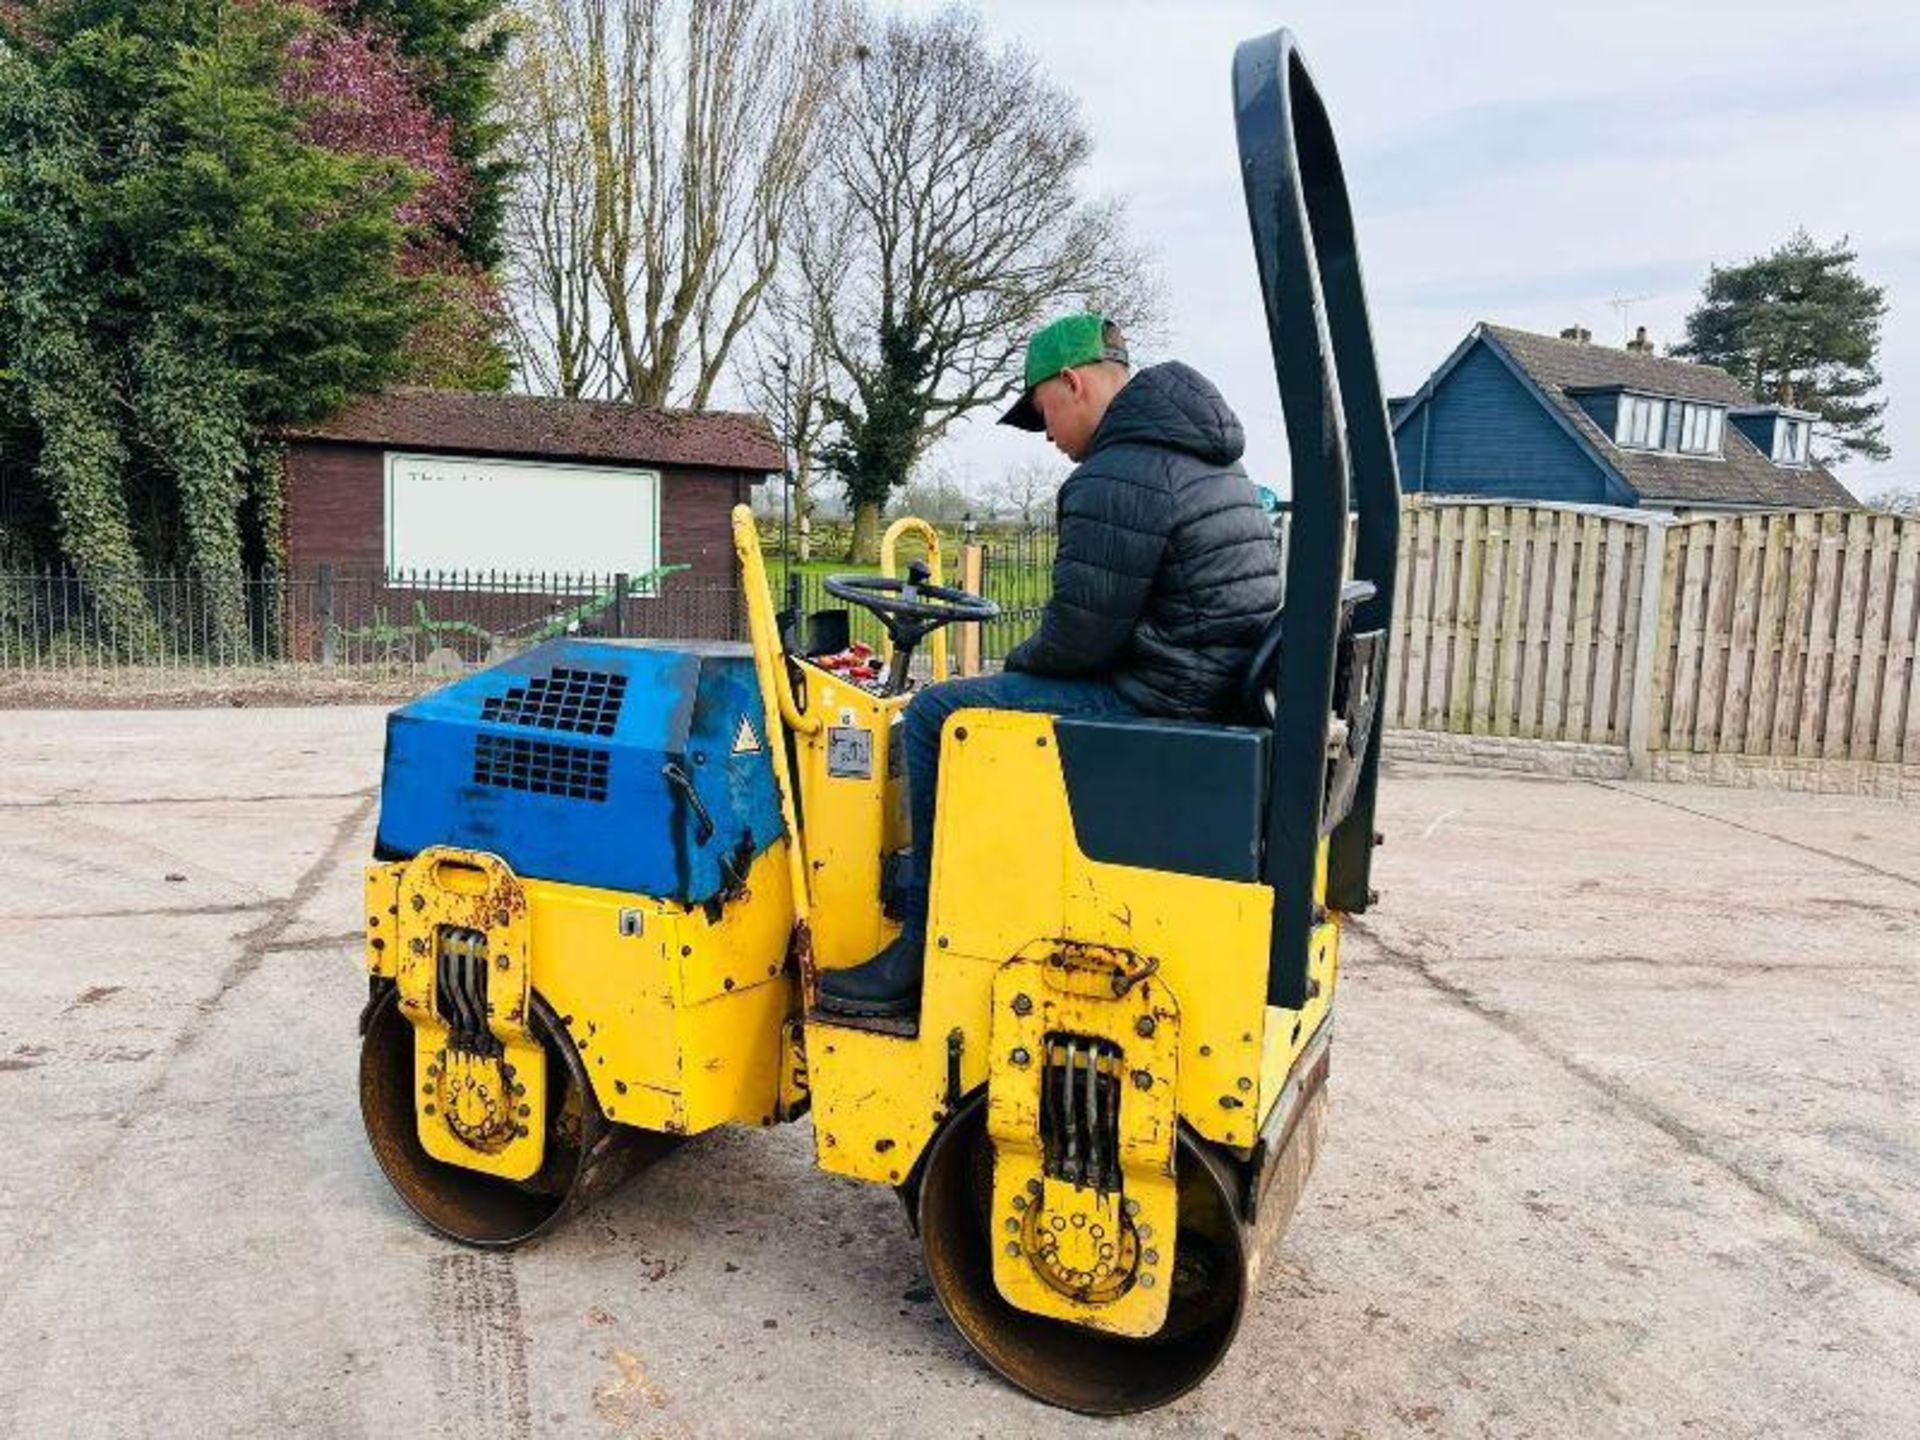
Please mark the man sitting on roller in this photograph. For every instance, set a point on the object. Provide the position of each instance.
(1165, 576)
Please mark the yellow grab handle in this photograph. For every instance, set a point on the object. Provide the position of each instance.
(913, 524)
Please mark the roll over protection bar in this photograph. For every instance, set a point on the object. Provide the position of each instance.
(1341, 447)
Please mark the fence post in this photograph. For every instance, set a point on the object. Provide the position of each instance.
(326, 614)
(972, 579)
(1647, 651)
(620, 584)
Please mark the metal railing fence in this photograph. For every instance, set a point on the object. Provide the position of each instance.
(59, 620)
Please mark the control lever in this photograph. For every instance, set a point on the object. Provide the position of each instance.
(905, 631)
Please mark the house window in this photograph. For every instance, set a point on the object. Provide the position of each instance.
(1676, 425)
(1790, 439)
(1643, 422)
(1699, 429)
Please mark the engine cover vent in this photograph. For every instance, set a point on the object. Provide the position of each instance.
(516, 761)
(578, 772)
(587, 702)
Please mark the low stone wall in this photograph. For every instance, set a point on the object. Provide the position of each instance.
(1788, 772)
(1497, 752)
(1808, 773)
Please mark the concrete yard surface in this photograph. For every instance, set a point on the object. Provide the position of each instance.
(1625, 1140)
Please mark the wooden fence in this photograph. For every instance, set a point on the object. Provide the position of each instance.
(1790, 634)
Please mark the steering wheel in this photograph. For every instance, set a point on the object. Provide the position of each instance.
(914, 598)
(911, 609)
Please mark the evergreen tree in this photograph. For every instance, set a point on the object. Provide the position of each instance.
(364, 95)
(181, 271)
(1800, 327)
(455, 48)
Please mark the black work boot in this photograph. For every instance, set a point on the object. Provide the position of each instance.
(884, 987)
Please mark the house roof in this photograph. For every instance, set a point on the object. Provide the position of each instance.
(1743, 476)
(464, 420)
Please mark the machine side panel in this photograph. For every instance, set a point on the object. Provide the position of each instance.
(1167, 795)
(848, 793)
(732, 770)
(1010, 877)
(676, 1015)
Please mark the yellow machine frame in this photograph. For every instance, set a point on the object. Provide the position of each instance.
(685, 1021)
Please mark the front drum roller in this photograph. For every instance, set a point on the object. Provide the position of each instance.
(587, 1155)
(1069, 1365)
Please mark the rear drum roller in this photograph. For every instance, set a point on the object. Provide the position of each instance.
(1068, 1365)
(586, 1154)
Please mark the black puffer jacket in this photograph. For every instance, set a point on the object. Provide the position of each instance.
(1167, 569)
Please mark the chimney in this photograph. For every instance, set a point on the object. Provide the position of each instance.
(1639, 344)
(1579, 334)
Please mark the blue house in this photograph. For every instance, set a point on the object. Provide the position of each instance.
(1516, 416)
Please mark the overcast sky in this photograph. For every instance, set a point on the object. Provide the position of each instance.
(1524, 163)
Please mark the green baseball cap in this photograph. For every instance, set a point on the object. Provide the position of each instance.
(1069, 341)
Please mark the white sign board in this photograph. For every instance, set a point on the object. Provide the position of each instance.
(452, 512)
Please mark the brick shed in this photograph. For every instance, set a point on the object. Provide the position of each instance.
(414, 479)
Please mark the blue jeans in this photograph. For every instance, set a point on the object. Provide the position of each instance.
(927, 712)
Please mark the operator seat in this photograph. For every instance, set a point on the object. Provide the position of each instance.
(1191, 796)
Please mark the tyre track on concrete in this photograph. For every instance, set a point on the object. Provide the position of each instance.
(1899, 877)
(479, 1346)
(72, 799)
(138, 912)
(1619, 1097)
(176, 861)
(255, 945)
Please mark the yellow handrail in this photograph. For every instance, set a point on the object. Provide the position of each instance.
(914, 524)
(763, 627)
(776, 694)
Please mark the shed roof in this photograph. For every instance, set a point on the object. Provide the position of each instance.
(1743, 476)
(464, 420)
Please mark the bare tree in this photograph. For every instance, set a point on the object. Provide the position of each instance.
(556, 339)
(946, 225)
(786, 379)
(941, 494)
(662, 144)
(1025, 492)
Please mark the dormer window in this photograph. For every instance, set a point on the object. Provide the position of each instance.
(1700, 427)
(1791, 439)
(1645, 423)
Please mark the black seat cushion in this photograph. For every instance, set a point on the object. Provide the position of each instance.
(1168, 794)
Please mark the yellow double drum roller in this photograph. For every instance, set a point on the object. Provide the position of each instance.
(611, 872)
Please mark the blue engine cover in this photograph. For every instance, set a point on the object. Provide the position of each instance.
(558, 761)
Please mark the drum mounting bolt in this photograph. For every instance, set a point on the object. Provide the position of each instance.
(1143, 1027)
(1020, 1055)
(1022, 1005)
